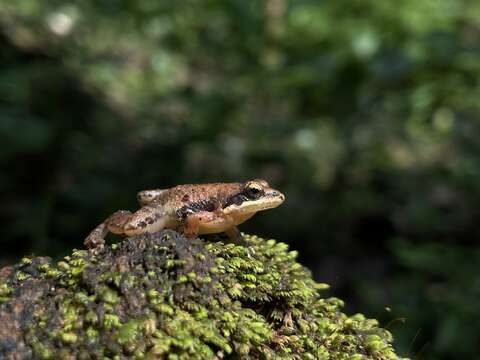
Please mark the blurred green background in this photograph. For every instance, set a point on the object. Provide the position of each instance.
(364, 113)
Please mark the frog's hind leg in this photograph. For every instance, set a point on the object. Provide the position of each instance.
(148, 219)
(116, 222)
(146, 197)
(96, 239)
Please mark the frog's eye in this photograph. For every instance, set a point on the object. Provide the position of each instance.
(253, 190)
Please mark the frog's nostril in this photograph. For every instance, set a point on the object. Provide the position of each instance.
(278, 194)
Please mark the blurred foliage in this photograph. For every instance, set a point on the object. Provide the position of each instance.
(364, 113)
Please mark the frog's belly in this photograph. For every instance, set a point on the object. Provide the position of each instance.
(221, 224)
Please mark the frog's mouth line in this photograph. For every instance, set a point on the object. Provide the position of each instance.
(251, 206)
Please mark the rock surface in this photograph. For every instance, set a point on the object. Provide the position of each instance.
(162, 296)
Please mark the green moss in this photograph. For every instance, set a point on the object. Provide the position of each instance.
(5, 292)
(127, 333)
(111, 321)
(109, 295)
(69, 337)
(163, 296)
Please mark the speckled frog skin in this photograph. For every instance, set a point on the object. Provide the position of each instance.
(193, 209)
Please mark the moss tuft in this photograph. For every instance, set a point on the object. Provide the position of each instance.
(163, 296)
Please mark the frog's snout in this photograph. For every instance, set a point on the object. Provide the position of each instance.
(278, 194)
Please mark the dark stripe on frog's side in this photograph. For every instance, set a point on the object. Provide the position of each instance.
(236, 199)
(203, 205)
(239, 198)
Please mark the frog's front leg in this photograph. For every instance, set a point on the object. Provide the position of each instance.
(199, 223)
(235, 235)
(206, 222)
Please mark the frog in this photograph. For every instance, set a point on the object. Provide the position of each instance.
(191, 209)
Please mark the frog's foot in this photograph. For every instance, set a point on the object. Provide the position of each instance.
(95, 240)
(235, 236)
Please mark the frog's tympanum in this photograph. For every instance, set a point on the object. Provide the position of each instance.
(193, 209)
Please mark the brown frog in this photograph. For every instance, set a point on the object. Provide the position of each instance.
(193, 209)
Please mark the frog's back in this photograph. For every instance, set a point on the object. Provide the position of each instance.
(190, 195)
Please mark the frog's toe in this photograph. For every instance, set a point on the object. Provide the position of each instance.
(235, 236)
(96, 238)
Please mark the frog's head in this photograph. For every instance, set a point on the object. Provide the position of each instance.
(255, 195)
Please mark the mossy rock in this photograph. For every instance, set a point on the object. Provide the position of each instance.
(162, 296)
